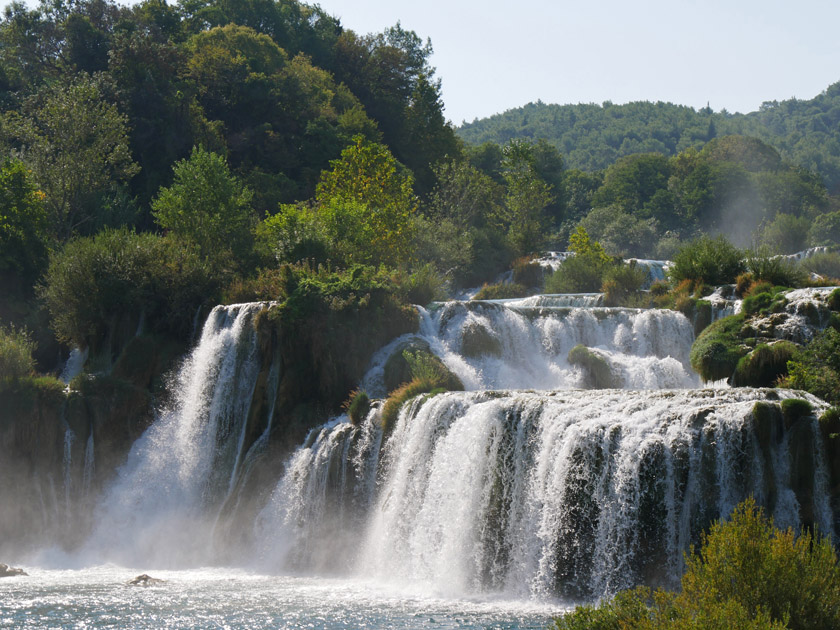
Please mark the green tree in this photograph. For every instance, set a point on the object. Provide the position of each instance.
(786, 234)
(527, 198)
(207, 205)
(23, 223)
(76, 145)
(633, 181)
(465, 195)
(370, 189)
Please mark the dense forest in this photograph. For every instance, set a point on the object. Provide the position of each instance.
(162, 158)
(591, 137)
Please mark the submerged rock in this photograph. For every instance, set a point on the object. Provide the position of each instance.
(145, 580)
(7, 571)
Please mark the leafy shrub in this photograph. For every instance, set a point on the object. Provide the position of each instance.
(621, 283)
(764, 365)
(747, 574)
(826, 264)
(501, 291)
(716, 352)
(207, 205)
(357, 406)
(576, 275)
(746, 559)
(712, 261)
(776, 270)
(816, 368)
(96, 288)
(424, 285)
(743, 283)
(786, 234)
(15, 354)
(527, 272)
(330, 322)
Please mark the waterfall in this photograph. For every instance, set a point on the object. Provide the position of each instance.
(539, 495)
(510, 346)
(69, 438)
(163, 503)
(90, 466)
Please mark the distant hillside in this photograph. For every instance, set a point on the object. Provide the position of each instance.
(591, 137)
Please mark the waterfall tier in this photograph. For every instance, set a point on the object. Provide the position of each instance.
(571, 494)
(492, 345)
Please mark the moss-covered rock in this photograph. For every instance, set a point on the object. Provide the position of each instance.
(833, 300)
(477, 341)
(702, 316)
(716, 352)
(598, 374)
(794, 409)
(763, 365)
(397, 369)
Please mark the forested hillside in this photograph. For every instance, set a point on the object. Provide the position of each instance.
(162, 158)
(591, 137)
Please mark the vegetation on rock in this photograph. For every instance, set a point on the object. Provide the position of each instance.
(746, 574)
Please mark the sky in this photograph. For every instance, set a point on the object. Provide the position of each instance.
(730, 54)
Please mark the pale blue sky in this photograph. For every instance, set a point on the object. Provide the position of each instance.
(733, 54)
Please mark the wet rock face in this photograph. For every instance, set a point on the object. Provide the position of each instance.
(7, 571)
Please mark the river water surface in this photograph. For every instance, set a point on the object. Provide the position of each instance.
(221, 598)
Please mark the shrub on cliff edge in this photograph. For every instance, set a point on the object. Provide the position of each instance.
(15, 354)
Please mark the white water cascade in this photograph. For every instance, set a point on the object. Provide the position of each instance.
(525, 485)
(538, 495)
(519, 345)
(163, 504)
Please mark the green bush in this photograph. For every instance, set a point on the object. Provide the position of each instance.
(764, 365)
(717, 350)
(816, 368)
(527, 272)
(576, 275)
(424, 285)
(764, 302)
(825, 264)
(16, 349)
(358, 406)
(774, 269)
(501, 291)
(746, 574)
(96, 288)
(712, 261)
(622, 283)
(746, 559)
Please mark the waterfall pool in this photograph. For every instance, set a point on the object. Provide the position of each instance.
(98, 597)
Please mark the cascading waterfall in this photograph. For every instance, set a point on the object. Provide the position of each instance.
(524, 485)
(571, 494)
(162, 504)
(492, 345)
